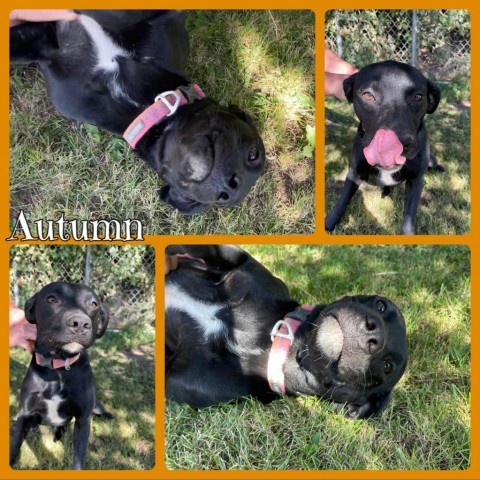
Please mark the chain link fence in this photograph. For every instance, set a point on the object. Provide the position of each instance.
(122, 276)
(435, 41)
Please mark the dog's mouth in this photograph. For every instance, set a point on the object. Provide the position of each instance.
(72, 348)
(385, 150)
(332, 338)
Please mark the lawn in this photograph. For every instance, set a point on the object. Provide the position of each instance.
(426, 426)
(445, 204)
(123, 366)
(261, 60)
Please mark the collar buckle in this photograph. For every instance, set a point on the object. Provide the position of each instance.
(277, 333)
(192, 92)
(164, 98)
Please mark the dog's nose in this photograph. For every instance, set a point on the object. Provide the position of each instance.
(234, 182)
(79, 324)
(374, 335)
(223, 197)
(407, 141)
(231, 187)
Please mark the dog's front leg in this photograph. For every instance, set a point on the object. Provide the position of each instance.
(413, 191)
(19, 433)
(81, 432)
(350, 187)
(23, 425)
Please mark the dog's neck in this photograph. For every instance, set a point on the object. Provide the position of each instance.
(165, 105)
(297, 379)
(55, 362)
(283, 336)
(144, 147)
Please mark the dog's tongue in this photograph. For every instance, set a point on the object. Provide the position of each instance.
(385, 150)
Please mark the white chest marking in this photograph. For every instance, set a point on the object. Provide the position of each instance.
(52, 405)
(105, 47)
(205, 314)
(385, 177)
(241, 351)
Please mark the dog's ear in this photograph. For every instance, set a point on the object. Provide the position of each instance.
(174, 198)
(433, 96)
(103, 322)
(29, 309)
(348, 87)
(241, 115)
(374, 404)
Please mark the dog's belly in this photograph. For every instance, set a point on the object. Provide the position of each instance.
(205, 314)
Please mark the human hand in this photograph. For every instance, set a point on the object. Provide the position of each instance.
(171, 263)
(336, 71)
(22, 333)
(20, 16)
(334, 84)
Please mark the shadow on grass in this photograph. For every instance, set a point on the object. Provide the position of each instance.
(125, 385)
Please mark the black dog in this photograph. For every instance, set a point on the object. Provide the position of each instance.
(390, 100)
(108, 67)
(223, 307)
(58, 385)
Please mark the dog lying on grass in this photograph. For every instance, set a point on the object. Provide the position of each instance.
(232, 330)
(123, 71)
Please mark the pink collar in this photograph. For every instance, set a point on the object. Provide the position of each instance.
(282, 336)
(165, 104)
(55, 363)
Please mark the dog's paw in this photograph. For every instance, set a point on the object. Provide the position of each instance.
(386, 191)
(107, 415)
(438, 168)
(58, 433)
(330, 223)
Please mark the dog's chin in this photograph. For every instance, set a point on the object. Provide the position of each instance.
(72, 348)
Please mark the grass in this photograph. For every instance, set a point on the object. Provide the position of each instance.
(445, 204)
(426, 426)
(123, 365)
(261, 60)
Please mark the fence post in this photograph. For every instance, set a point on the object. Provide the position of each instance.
(414, 37)
(88, 265)
(339, 36)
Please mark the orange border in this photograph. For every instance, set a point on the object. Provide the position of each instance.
(320, 237)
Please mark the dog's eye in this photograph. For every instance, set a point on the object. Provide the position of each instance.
(381, 307)
(417, 97)
(93, 305)
(253, 153)
(51, 299)
(387, 367)
(368, 96)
